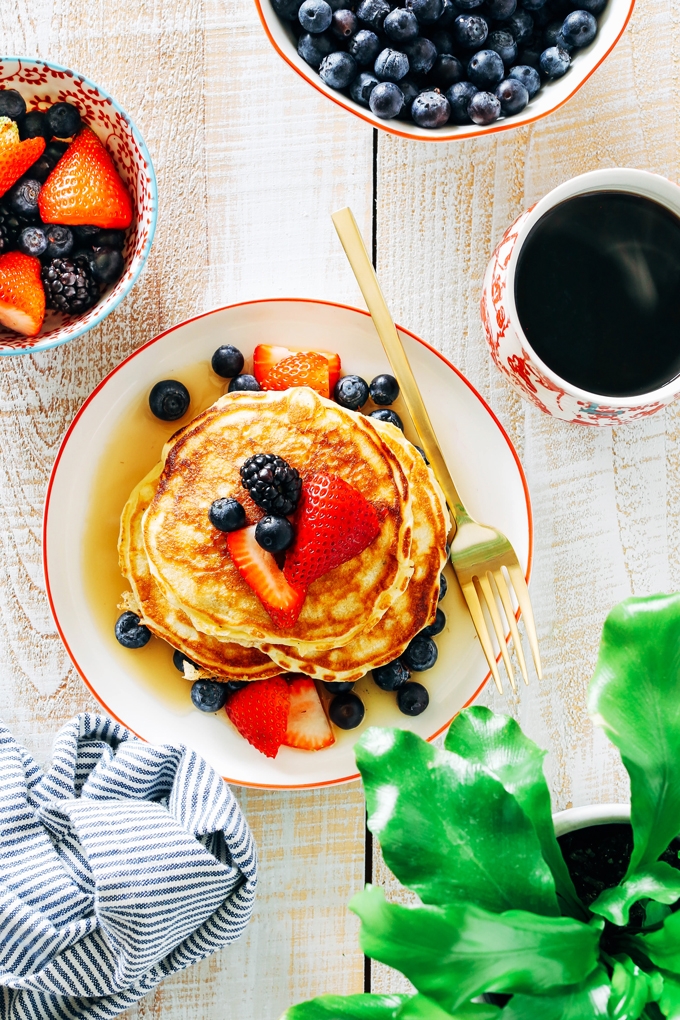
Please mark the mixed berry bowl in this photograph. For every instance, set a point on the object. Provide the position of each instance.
(76, 226)
(436, 70)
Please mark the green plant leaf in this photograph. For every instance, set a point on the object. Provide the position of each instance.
(497, 743)
(634, 697)
(663, 946)
(585, 1001)
(669, 1000)
(450, 830)
(453, 953)
(348, 1007)
(422, 1008)
(659, 882)
(632, 989)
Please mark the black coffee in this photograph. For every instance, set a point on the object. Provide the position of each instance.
(597, 290)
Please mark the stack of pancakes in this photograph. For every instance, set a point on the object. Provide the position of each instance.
(357, 616)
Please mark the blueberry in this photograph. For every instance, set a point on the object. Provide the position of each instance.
(60, 241)
(592, 6)
(130, 633)
(485, 70)
(530, 56)
(445, 19)
(386, 413)
(533, 5)
(373, 12)
(22, 198)
(208, 695)
(338, 686)
(468, 5)
(443, 586)
(421, 54)
(179, 658)
(501, 10)
(412, 699)
(241, 383)
(470, 31)
(227, 361)
(426, 11)
(447, 71)
(391, 65)
(315, 16)
(169, 400)
(351, 391)
(421, 654)
(401, 25)
(409, 91)
(484, 108)
(430, 109)
(459, 96)
(579, 28)
(86, 232)
(437, 625)
(391, 676)
(42, 168)
(346, 711)
(313, 48)
(422, 453)
(528, 76)
(338, 70)
(227, 514)
(110, 239)
(520, 26)
(362, 86)
(551, 34)
(554, 62)
(386, 100)
(34, 125)
(274, 533)
(32, 241)
(12, 104)
(364, 47)
(235, 685)
(55, 150)
(443, 41)
(344, 24)
(107, 265)
(287, 9)
(384, 389)
(512, 95)
(502, 42)
(63, 120)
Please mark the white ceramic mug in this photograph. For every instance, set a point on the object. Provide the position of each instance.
(510, 349)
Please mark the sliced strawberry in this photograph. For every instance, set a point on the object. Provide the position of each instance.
(85, 187)
(334, 523)
(306, 368)
(260, 570)
(308, 727)
(22, 297)
(16, 156)
(265, 356)
(259, 711)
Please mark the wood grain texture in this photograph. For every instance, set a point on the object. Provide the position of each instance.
(246, 186)
(605, 502)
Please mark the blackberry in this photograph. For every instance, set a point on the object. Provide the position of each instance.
(69, 284)
(271, 483)
(11, 225)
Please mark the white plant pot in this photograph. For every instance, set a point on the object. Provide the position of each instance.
(593, 814)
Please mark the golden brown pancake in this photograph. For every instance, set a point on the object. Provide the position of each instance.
(222, 659)
(189, 558)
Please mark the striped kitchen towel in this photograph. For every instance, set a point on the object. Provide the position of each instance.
(121, 864)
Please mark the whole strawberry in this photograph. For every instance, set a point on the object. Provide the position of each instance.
(259, 711)
(334, 523)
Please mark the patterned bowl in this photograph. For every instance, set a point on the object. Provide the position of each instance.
(41, 84)
(554, 94)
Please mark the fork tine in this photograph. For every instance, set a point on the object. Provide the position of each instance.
(522, 593)
(503, 591)
(492, 606)
(472, 599)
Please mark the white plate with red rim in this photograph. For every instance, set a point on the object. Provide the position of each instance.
(141, 688)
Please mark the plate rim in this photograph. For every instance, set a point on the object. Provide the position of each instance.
(155, 339)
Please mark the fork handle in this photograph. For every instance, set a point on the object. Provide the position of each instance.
(359, 260)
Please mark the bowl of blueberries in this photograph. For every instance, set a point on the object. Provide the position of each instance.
(443, 69)
(78, 203)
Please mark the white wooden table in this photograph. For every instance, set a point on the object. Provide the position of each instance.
(250, 163)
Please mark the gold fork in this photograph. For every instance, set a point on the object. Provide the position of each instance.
(485, 563)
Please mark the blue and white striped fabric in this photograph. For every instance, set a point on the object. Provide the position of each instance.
(121, 864)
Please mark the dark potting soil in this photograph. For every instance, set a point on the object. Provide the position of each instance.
(598, 856)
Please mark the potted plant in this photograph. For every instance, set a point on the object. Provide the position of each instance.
(506, 927)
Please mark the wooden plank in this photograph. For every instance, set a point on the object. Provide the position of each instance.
(605, 501)
(250, 165)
